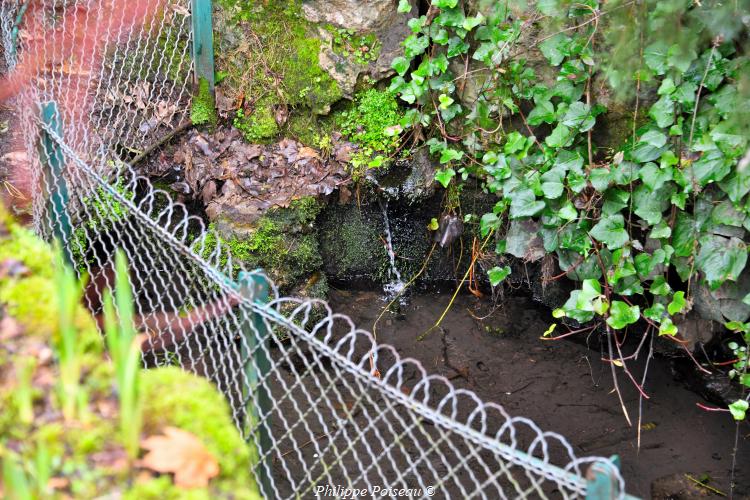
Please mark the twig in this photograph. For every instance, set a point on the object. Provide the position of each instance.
(168, 137)
(704, 485)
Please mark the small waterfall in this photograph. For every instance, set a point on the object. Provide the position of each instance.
(396, 283)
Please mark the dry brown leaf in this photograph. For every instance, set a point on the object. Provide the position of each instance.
(181, 453)
(306, 152)
(9, 328)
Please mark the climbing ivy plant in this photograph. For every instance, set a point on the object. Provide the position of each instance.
(638, 226)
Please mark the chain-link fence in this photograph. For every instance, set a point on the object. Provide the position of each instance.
(299, 377)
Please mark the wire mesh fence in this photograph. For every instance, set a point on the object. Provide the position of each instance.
(299, 377)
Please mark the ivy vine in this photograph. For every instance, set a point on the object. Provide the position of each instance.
(638, 227)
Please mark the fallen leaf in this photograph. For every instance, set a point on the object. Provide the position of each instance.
(181, 453)
(9, 328)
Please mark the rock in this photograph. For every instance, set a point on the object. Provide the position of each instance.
(678, 487)
(376, 17)
(409, 182)
(725, 303)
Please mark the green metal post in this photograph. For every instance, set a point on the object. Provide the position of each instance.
(203, 42)
(53, 164)
(257, 366)
(17, 24)
(601, 480)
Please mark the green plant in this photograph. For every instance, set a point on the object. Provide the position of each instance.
(672, 182)
(103, 210)
(67, 347)
(24, 394)
(260, 125)
(362, 48)
(372, 121)
(203, 109)
(740, 366)
(126, 355)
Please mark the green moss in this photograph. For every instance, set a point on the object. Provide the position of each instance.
(352, 246)
(278, 66)
(368, 121)
(282, 242)
(175, 398)
(203, 110)
(259, 125)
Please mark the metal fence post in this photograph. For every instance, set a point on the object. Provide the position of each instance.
(203, 42)
(257, 366)
(53, 167)
(602, 484)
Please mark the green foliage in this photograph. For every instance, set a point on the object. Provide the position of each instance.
(258, 126)
(103, 209)
(669, 201)
(126, 355)
(278, 64)
(371, 123)
(58, 429)
(203, 110)
(361, 48)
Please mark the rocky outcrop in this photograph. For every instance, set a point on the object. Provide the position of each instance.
(370, 38)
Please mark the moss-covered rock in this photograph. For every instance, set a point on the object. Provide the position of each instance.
(268, 57)
(283, 242)
(175, 398)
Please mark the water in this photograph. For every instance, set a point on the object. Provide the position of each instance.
(395, 284)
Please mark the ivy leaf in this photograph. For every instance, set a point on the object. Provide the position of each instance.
(721, 259)
(681, 57)
(663, 111)
(568, 212)
(498, 274)
(456, 47)
(559, 137)
(487, 223)
(678, 303)
(667, 87)
(523, 203)
(552, 183)
(472, 22)
(655, 57)
(660, 287)
(738, 409)
(611, 231)
(445, 101)
(591, 290)
(555, 48)
(653, 176)
(445, 4)
(544, 112)
(667, 327)
(404, 6)
(655, 312)
(401, 65)
(448, 155)
(415, 45)
(444, 176)
(622, 315)
(579, 116)
(684, 235)
(650, 204)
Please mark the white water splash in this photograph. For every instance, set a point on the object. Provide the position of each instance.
(396, 284)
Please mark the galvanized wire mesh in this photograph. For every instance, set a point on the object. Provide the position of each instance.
(299, 377)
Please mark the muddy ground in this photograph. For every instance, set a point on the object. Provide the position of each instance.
(564, 387)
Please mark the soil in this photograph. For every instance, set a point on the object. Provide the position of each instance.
(564, 387)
